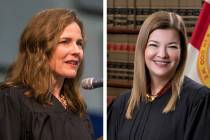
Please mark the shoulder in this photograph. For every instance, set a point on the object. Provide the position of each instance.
(194, 87)
(194, 91)
(12, 93)
(10, 102)
(121, 101)
(116, 110)
(191, 84)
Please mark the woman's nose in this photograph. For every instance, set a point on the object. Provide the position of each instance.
(162, 52)
(76, 48)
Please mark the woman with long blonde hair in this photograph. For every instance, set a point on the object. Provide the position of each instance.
(163, 104)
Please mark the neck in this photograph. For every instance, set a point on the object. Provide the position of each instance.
(57, 84)
(157, 84)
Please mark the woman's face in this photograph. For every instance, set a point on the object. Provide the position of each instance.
(162, 53)
(68, 54)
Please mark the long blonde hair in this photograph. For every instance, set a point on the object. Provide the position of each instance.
(31, 68)
(158, 20)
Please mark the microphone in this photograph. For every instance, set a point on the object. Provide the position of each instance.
(91, 83)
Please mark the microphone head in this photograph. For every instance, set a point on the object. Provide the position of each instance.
(91, 83)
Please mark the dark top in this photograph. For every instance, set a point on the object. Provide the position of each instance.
(22, 118)
(189, 121)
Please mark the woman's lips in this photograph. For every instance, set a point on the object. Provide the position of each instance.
(72, 63)
(161, 62)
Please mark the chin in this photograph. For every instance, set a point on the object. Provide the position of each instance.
(162, 73)
(168, 75)
(70, 74)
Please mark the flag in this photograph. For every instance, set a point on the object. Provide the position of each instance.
(198, 66)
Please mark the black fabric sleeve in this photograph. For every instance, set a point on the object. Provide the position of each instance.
(89, 126)
(10, 119)
(116, 112)
(198, 124)
(112, 122)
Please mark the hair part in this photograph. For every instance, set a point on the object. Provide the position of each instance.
(158, 20)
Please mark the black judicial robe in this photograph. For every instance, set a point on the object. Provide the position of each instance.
(22, 118)
(189, 121)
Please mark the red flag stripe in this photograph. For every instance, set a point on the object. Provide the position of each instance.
(201, 26)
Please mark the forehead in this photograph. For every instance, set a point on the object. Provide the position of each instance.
(164, 35)
(72, 30)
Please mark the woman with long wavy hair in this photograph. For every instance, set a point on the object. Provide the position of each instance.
(40, 97)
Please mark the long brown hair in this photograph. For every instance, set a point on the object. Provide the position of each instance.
(31, 67)
(158, 20)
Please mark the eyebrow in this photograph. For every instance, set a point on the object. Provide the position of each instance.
(64, 38)
(173, 43)
(153, 41)
(70, 38)
(158, 42)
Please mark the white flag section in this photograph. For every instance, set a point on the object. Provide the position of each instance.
(191, 69)
(198, 65)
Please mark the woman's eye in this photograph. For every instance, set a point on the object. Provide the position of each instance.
(64, 42)
(152, 45)
(80, 43)
(173, 47)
